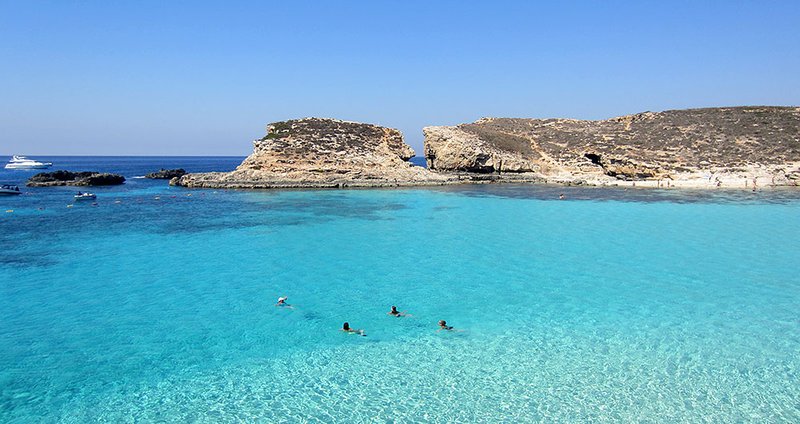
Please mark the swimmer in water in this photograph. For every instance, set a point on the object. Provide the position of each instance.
(346, 328)
(282, 302)
(395, 313)
(443, 326)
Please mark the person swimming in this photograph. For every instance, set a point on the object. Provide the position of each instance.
(346, 328)
(282, 302)
(394, 312)
(443, 326)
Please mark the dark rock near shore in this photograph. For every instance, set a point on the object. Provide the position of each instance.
(166, 174)
(84, 178)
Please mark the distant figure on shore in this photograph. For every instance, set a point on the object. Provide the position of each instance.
(394, 312)
(282, 302)
(443, 326)
(346, 328)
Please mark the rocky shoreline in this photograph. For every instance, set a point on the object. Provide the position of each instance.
(739, 147)
(322, 153)
(693, 148)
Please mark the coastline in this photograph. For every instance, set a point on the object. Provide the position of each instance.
(750, 178)
(747, 147)
(764, 178)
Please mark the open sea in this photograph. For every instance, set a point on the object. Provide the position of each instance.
(612, 305)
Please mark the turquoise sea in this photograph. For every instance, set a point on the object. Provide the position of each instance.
(612, 305)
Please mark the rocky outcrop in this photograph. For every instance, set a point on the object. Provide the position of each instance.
(166, 174)
(322, 153)
(85, 178)
(715, 146)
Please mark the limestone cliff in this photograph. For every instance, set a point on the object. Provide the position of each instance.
(705, 146)
(317, 153)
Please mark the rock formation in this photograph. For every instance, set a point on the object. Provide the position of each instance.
(731, 147)
(166, 174)
(693, 147)
(322, 153)
(85, 178)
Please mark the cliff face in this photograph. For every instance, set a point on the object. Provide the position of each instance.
(727, 143)
(315, 152)
(321, 145)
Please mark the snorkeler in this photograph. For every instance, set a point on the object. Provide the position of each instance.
(282, 302)
(346, 328)
(443, 326)
(394, 312)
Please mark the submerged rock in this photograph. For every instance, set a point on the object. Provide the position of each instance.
(728, 144)
(322, 153)
(166, 174)
(84, 178)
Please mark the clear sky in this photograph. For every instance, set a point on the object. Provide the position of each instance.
(204, 78)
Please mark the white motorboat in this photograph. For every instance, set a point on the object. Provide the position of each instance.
(85, 196)
(21, 162)
(9, 190)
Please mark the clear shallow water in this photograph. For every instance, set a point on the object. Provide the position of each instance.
(611, 305)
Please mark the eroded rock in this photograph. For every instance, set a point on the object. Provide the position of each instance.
(322, 153)
(739, 142)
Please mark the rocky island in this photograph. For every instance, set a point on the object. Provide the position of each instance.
(716, 147)
(63, 178)
(734, 147)
(322, 153)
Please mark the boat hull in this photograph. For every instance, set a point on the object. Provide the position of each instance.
(42, 166)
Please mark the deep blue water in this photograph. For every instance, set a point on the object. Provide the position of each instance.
(157, 304)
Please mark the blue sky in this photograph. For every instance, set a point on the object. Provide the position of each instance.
(204, 78)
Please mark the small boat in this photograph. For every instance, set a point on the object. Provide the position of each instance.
(9, 190)
(21, 162)
(85, 196)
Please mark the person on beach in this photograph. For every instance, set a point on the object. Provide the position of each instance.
(346, 328)
(282, 302)
(394, 312)
(443, 326)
